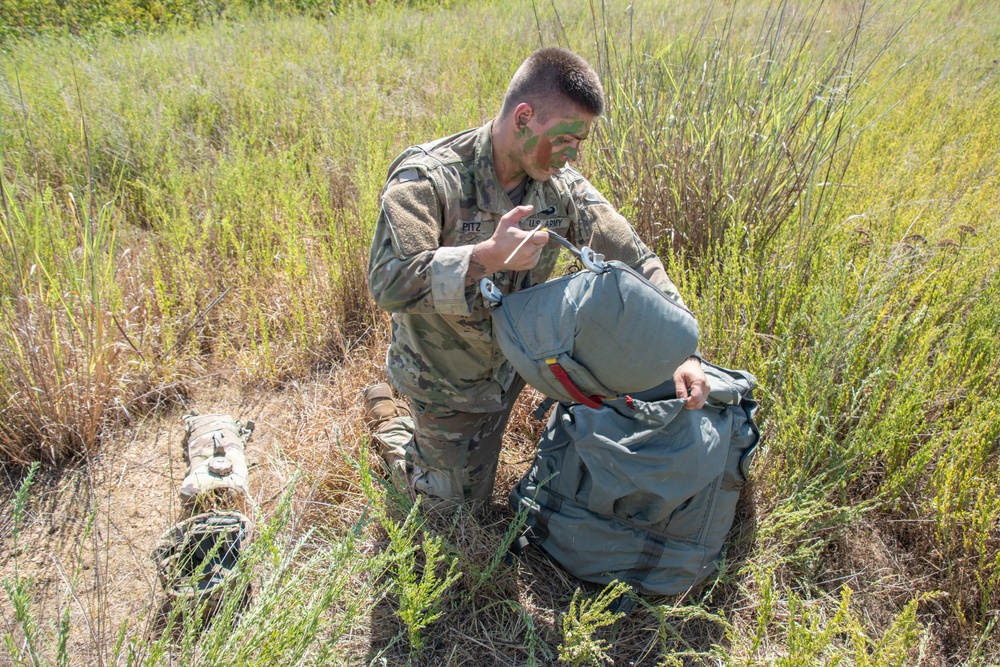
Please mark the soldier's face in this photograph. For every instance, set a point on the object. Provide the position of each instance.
(548, 143)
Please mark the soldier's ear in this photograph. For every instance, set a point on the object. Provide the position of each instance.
(523, 113)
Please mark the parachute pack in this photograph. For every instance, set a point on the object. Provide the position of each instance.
(627, 485)
(595, 334)
(213, 448)
(197, 555)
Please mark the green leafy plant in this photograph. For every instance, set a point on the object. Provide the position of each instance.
(584, 619)
(420, 586)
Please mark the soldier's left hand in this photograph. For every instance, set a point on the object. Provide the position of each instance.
(691, 384)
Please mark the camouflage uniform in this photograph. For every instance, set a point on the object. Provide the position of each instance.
(440, 199)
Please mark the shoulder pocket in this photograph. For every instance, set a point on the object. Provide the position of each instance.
(410, 207)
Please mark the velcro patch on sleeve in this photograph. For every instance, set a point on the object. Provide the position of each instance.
(412, 210)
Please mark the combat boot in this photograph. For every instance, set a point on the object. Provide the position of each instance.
(380, 406)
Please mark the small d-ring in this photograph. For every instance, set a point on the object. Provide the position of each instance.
(592, 260)
(490, 292)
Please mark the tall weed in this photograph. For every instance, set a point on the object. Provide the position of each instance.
(716, 131)
(61, 347)
(584, 619)
(420, 595)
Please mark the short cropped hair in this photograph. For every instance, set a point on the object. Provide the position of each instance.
(552, 72)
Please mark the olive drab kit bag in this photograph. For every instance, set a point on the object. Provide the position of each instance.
(199, 554)
(639, 489)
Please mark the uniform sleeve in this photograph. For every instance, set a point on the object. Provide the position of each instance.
(408, 270)
(609, 233)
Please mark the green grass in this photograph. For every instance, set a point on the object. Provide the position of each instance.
(832, 195)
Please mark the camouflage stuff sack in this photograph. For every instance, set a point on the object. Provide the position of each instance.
(594, 334)
(640, 489)
(214, 449)
(196, 556)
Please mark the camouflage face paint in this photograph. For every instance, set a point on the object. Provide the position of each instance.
(560, 144)
(543, 156)
(525, 135)
(570, 154)
(576, 128)
(542, 148)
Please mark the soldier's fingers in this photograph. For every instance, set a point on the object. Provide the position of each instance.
(540, 239)
(680, 386)
(514, 215)
(531, 253)
(698, 395)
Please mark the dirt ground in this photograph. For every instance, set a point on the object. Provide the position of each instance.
(85, 538)
(89, 528)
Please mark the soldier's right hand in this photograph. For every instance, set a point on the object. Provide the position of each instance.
(498, 252)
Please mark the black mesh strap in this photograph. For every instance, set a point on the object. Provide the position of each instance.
(548, 505)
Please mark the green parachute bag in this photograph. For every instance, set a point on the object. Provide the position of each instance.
(641, 490)
(595, 334)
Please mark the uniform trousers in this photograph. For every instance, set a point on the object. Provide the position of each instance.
(446, 456)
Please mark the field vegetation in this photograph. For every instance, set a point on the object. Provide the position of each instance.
(189, 198)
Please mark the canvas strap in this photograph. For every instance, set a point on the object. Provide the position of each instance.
(563, 377)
